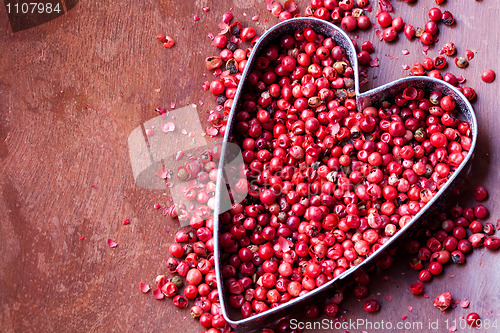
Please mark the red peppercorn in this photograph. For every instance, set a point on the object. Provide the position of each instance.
(360, 291)
(180, 301)
(176, 250)
(435, 14)
(469, 93)
(477, 240)
(398, 23)
(218, 321)
(285, 15)
(349, 23)
(364, 22)
(457, 257)
(169, 289)
(489, 229)
(203, 289)
(438, 140)
(476, 227)
(469, 54)
(367, 46)
(331, 310)
(416, 264)
(294, 288)
(190, 292)
(196, 312)
(384, 19)
(480, 212)
(447, 103)
(312, 311)
(220, 41)
(449, 49)
(409, 31)
(205, 320)
(433, 245)
(439, 62)
(492, 243)
(488, 76)
(169, 42)
(435, 268)
(417, 288)
(461, 62)
(329, 4)
(389, 34)
(473, 319)
(425, 275)
(428, 63)
(247, 33)
(310, 35)
(426, 38)
(371, 305)
(431, 27)
(276, 9)
(267, 197)
(435, 74)
(451, 79)
(217, 87)
(450, 244)
(464, 246)
(443, 301)
(194, 277)
(448, 18)
(480, 193)
(364, 58)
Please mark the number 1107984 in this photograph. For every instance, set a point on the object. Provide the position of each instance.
(33, 8)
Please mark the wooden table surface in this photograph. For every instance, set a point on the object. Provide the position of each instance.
(73, 89)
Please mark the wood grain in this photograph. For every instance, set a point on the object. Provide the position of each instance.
(72, 90)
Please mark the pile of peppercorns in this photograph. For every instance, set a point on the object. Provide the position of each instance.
(291, 204)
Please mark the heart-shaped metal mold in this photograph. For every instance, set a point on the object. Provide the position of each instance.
(363, 100)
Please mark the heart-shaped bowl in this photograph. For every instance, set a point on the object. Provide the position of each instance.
(363, 100)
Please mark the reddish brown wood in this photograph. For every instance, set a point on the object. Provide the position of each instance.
(73, 89)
